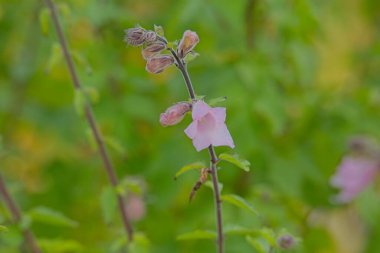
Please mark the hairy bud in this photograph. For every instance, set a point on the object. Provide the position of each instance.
(174, 114)
(157, 64)
(135, 36)
(189, 40)
(286, 242)
(153, 49)
(150, 36)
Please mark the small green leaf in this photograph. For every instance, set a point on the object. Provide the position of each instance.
(44, 18)
(197, 234)
(140, 244)
(60, 245)
(218, 100)
(48, 216)
(235, 160)
(79, 101)
(55, 56)
(128, 184)
(3, 228)
(257, 244)
(159, 30)
(92, 93)
(114, 144)
(108, 203)
(25, 222)
(191, 56)
(239, 202)
(209, 184)
(269, 235)
(191, 166)
(237, 230)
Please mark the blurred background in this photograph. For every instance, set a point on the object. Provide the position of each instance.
(301, 78)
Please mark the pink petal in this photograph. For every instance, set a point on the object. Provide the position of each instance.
(201, 142)
(192, 129)
(222, 137)
(219, 114)
(200, 109)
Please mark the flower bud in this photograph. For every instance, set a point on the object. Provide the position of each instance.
(174, 114)
(189, 40)
(286, 242)
(135, 36)
(153, 49)
(157, 64)
(150, 36)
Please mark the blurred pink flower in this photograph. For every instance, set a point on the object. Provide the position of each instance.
(208, 127)
(353, 175)
(189, 40)
(135, 207)
(174, 114)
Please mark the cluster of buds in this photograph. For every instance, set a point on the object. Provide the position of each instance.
(155, 48)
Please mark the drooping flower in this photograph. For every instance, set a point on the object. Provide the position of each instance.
(286, 241)
(157, 64)
(353, 176)
(153, 49)
(174, 114)
(135, 36)
(189, 40)
(208, 127)
(150, 36)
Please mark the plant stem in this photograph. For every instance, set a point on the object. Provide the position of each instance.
(214, 173)
(16, 214)
(91, 121)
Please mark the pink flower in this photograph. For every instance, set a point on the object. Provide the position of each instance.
(135, 36)
(157, 64)
(353, 175)
(189, 40)
(174, 114)
(153, 50)
(208, 127)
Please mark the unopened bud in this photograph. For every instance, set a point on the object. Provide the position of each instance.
(174, 114)
(189, 40)
(286, 242)
(150, 36)
(153, 49)
(135, 36)
(157, 64)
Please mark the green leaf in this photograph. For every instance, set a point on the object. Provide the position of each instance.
(44, 18)
(236, 160)
(257, 244)
(79, 101)
(239, 202)
(55, 56)
(3, 228)
(159, 30)
(129, 184)
(140, 244)
(238, 230)
(191, 166)
(269, 235)
(115, 145)
(108, 203)
(48, 216)
(209, 184)
(60, 245)
(197, 234)
(92, 93)
(191, 56)
(217, 100)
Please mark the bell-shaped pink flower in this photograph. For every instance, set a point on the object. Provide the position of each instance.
(208, 127)
(153, 50)
(353, 175)
(174, 114)
(157, 64)
(189, 40)
(135, 36)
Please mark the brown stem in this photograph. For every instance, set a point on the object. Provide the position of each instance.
(91, 120)
(16, 215)
(214, 174)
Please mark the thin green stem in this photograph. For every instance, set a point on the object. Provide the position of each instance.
(17, 216)
(214, 173)
(108, 167)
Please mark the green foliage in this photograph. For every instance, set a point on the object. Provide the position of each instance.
(239, 202)
(191, 166)
(236, 160)
(299, 86)
(197, 234)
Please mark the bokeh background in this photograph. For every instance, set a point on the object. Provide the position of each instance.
(301, 77)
